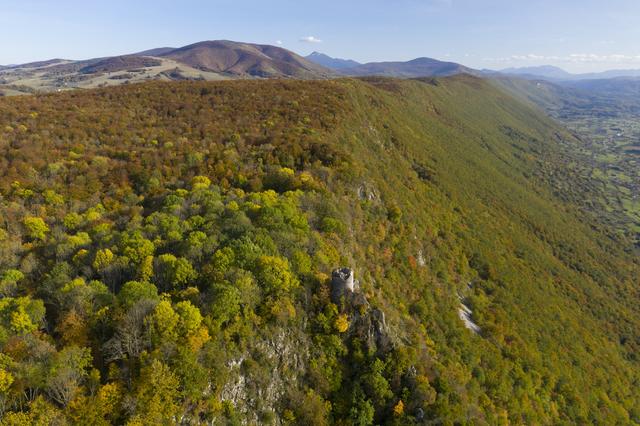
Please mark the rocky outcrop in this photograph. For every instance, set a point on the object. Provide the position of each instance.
(465, 313)
(286, 355)
(367, 324)
(372, 329)
(367, 192)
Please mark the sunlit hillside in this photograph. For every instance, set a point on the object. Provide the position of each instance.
(167, 249)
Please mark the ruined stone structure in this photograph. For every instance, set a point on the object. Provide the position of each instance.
(342, 283)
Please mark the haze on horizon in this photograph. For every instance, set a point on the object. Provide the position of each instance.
(578, 36)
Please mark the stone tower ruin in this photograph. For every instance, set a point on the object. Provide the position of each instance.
(342, 282)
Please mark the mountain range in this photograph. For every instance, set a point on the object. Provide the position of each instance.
(415, 68)
(333, 63)
(428, 67)
(207, 60)
(224, 59)
(549, 72)
(419, 67)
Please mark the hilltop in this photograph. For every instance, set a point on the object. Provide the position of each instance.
(246, 59)
(332, 63)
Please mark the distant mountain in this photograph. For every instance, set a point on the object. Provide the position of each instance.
(38, 64)
(622, 89)
(246, 59)
(121, 63)
(207, 60)
(420, 67)
(544, 71)
(552, 73)
(329, 62)
(610, 74)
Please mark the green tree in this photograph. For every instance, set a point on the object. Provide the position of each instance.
(221, 262)
(157, 393)
(226, 302)
(274, 275)
(376, 384)
(190, 318)
(72, 220)
(36, 227)
(133, 291)
(163, 323)
(103, 258)
(9, 281)
(362, 411)
(312, 410)
(173, 272)
(135, 247)
(21, 315)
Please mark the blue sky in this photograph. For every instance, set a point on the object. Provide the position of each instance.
(578, 35)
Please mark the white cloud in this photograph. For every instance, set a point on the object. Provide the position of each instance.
(528, 57)
(279, 42)
(310, 39)
(592, 57)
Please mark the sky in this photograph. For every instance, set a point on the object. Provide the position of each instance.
(577, 35)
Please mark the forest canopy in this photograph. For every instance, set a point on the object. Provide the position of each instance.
(166, 252)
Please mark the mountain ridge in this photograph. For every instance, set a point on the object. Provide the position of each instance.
(558, 74)
(261, 60)
(418, 67)
(206, 60)
(330, 62)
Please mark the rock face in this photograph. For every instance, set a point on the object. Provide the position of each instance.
(286, 352)
(286, 355)
(367, 324)
(342, 283)
(465, 313)
(371, 328)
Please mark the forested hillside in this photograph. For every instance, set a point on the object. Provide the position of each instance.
(166, 252)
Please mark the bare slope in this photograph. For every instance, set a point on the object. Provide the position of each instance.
(209, 60)
(121, 63)
(245, 59)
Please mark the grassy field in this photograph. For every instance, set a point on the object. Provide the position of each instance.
(44, 79)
